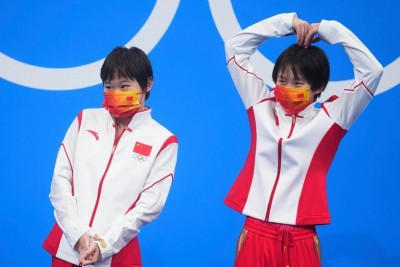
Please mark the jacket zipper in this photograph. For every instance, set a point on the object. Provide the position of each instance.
(116, 140)
(278, 174)
(292, 126)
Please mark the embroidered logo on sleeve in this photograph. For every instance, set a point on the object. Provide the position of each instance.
(141, 151)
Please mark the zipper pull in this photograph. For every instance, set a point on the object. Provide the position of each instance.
(293, 119)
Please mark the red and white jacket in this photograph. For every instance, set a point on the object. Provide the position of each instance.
(109, 185)
(284, 177)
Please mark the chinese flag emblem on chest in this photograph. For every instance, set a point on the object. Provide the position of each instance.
(142, 149)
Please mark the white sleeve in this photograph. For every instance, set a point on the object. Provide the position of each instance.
(367, 74)
(147, 207)
(243, 45)
(61, 194)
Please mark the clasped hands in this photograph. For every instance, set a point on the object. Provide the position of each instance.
(306, 33)
(89, 252)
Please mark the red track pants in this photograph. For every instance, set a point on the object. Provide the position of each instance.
(56, 262)
(263, 244)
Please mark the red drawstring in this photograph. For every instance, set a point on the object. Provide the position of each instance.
(286, 240)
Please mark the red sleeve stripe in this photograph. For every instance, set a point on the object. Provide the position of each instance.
(248, 72)
(150, 186)
(170, 140)
(72, 170)
(326, 111)
(360, 84)
(267, 99)
(331, 99)
(366, 88)
(79, 120)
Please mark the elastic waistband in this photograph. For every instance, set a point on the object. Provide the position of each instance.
(276, 230)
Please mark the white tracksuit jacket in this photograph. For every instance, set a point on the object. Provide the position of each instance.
(109, 186)
(284, 177)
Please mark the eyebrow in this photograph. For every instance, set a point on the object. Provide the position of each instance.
(120, 81)
(284, 77)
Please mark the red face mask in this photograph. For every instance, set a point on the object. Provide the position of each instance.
(122, 105)
(292, 100)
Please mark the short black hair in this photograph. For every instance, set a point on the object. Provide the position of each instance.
(311, 63)
(130, 63)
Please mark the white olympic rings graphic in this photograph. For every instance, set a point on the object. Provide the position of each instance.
(139, 157)
(87, 75)
(227, 25)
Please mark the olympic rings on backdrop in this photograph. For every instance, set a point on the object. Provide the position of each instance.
(80, 77)
(227, 25)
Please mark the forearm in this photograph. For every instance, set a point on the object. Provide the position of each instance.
(64, 202)
(147, 206)
(367, 74)
(62, 189)
(367, 69)
(146, 209)
(243, 45)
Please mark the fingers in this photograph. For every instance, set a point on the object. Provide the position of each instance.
(305, 32)
(89, 256)
(301, 28)
(316, 39)
(87, 242)
(308, 37)
(83, 242)
(312, 34)
(314, 31)
(86, 259)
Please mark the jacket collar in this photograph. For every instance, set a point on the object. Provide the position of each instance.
(140, 118)
(137, 120)
(309, 111)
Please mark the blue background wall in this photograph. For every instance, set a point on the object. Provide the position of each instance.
(193, 95)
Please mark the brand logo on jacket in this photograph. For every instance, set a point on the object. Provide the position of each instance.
(141, 151)
(95, 134)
